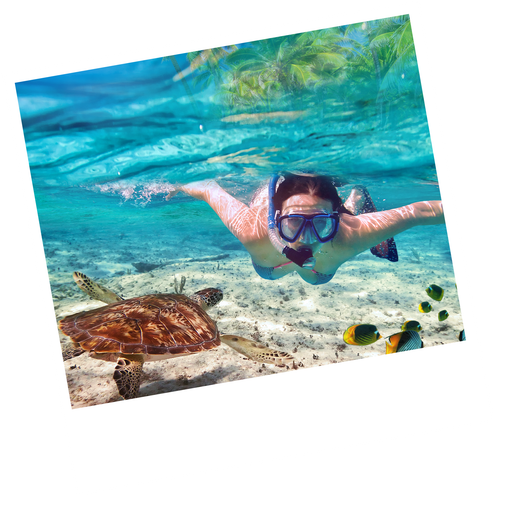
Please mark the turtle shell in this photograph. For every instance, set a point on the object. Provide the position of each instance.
(156, 325)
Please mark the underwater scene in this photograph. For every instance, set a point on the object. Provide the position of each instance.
(109, 150)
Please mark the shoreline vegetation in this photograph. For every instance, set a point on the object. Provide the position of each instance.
(371, 63)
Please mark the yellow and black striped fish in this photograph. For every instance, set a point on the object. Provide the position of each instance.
(411, 326)
(443, 315)
(361, 334)
(425, 307)
(403, 341)
(435, 292)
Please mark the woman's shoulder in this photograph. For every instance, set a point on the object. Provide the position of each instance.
(261, 197)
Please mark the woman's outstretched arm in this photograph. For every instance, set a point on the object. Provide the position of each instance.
(367, 230)
(248, 225)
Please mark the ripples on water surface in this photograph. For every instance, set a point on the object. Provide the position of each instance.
(105, 147)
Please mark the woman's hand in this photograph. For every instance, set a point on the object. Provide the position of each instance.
(173, 193)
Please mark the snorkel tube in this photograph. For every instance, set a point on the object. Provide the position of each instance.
(302, 257)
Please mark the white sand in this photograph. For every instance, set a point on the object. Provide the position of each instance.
(288, 314)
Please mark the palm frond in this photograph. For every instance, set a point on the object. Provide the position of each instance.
(405, 64)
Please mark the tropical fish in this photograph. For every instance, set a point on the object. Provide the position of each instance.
(435, 292)
(361, 334)
(425, 307)
(443, 315)
(403, 341)
(462, 336)
(411, 326)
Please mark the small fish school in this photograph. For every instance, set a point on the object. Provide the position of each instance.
(405, 340)
(408, 338)
(436, 293)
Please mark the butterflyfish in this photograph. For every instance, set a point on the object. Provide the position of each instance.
(425, 307)
(361, 334)
(443, 315)
(403, 341)
(435, 292)
(411, 326)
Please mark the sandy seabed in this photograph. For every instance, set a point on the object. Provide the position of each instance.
(288, 314)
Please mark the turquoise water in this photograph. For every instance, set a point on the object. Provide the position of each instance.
(106, 145)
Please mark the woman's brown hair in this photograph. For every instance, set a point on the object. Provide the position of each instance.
(310, 184)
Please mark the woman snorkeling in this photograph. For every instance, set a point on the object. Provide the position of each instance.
(300, 224)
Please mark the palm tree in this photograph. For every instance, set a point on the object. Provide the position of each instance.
(242, 90)
(384, 50)
(280, 69)
(396, 37)
(294, 70)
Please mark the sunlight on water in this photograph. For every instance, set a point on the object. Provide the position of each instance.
(140, 194)
(108, 148)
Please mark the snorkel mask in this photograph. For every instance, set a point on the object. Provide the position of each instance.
(323, 225)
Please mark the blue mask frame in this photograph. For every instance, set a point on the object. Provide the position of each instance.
(308, 220)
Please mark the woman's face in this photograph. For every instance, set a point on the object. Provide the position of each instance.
(306, 204)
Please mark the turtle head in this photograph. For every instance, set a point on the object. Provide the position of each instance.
(207, 298)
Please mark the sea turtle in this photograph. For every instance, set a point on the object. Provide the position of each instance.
(149, 328)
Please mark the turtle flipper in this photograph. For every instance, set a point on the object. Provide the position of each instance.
(256, 351)
(94, 289)
(127, 375)
(71, 350)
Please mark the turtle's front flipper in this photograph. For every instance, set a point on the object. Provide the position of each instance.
(71, 350)
(256, 351)
(127, 375)
(94, 289)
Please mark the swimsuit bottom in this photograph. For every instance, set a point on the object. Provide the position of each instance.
(267, 273)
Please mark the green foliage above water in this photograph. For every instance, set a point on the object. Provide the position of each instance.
(371, 64)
